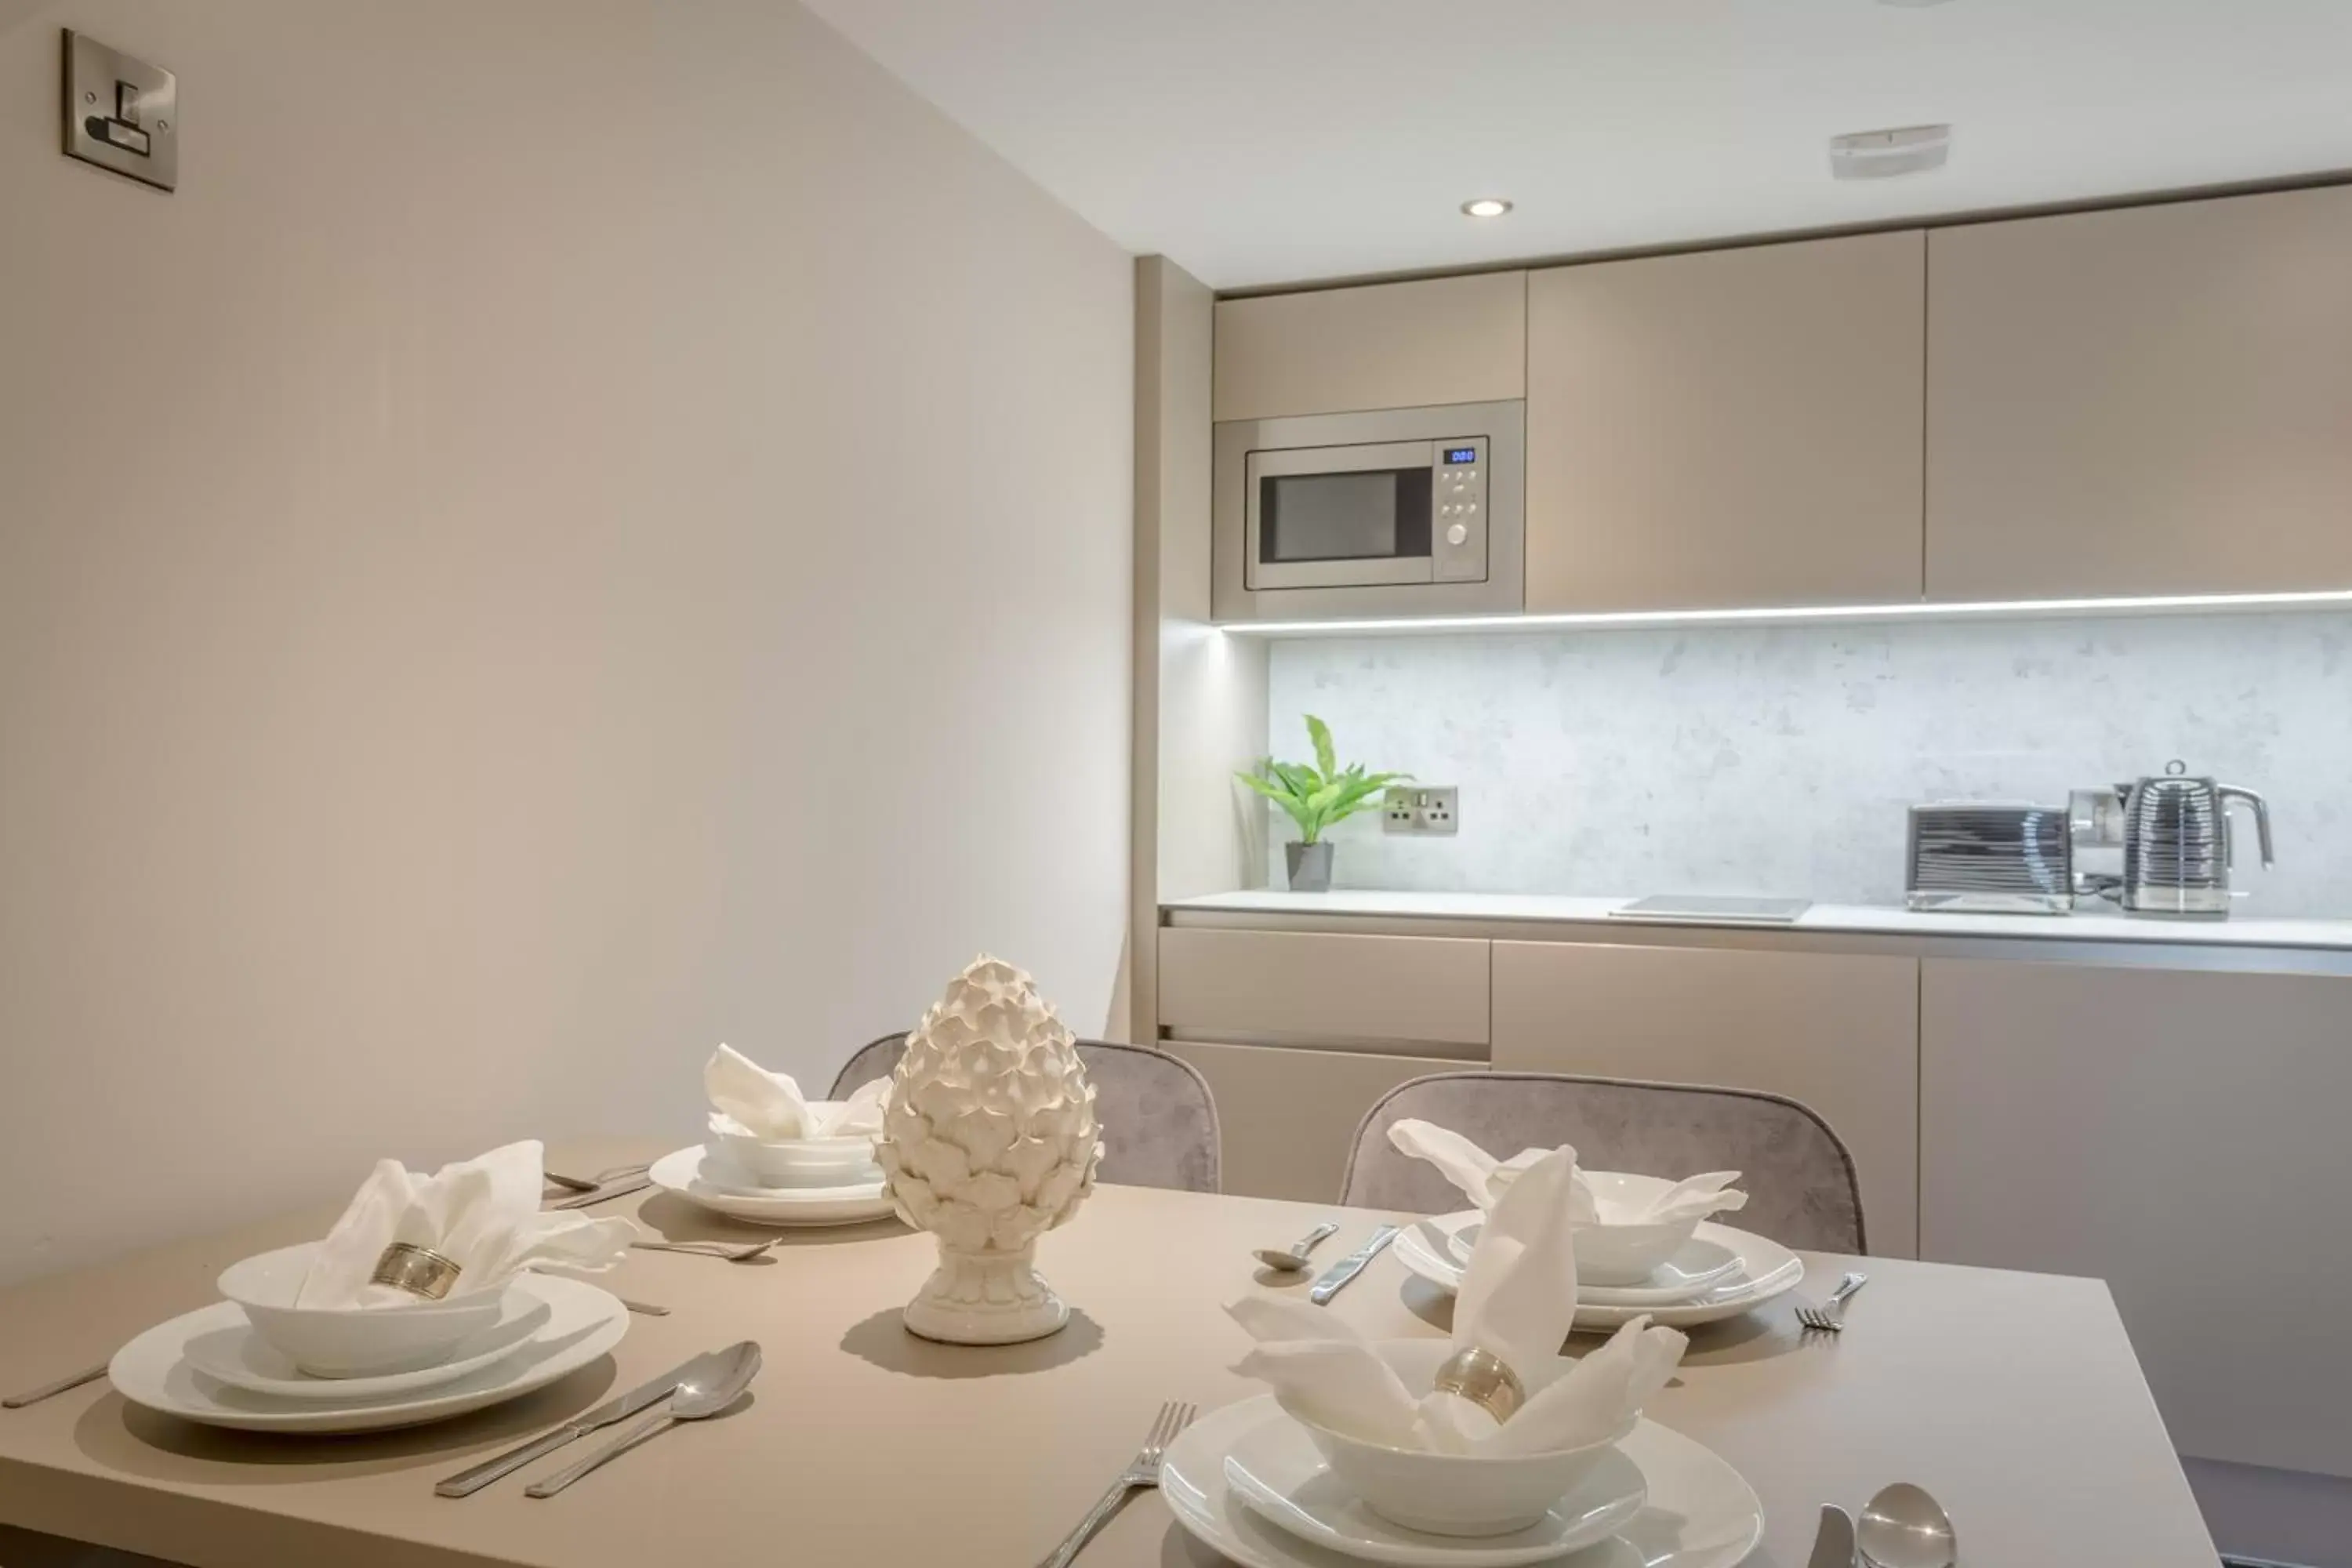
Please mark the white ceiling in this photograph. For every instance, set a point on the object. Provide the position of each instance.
(1262, 141)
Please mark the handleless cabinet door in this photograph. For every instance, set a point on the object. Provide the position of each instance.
(1385, 345)
(2180, 1135)
(1728, 428)
(1287, 1118)
(2151, 400)
(1837, 1032)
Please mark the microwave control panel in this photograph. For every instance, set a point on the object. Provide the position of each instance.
(1457, 544)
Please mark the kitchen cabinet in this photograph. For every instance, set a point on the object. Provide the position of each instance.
(1429, 991)
(1727, 427)
(1288, 1118)
(2179, 1134)
(1838, 1032)
(1386, 346)
(2146, 400)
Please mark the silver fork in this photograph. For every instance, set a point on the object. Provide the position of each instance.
(1830, 1316)
(1143, 1472)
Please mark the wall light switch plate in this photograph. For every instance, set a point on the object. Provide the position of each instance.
(121, 114)
(1421, 809)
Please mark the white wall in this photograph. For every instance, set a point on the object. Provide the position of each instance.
(1782, 759)
(586, 527)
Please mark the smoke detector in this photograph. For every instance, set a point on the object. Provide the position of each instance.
(1876, 155)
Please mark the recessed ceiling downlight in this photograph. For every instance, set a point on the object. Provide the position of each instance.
(1876, 155)
(1485, 206)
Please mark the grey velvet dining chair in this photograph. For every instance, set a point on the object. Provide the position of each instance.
(1159, 1120)
(1799, 1177)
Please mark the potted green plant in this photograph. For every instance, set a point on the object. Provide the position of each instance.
(1316, 797)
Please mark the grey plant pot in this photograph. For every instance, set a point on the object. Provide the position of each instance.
(1311, 867)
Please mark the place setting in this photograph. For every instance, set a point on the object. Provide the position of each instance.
(1646, 1247)
(774, 1157)
(1486, 1449)
(429, 1297)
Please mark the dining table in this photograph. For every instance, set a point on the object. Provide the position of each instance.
(2015, 1398)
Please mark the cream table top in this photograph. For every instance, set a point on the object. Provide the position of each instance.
(2014, 1398)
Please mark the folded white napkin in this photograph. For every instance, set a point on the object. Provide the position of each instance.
(1694, 1197)
(1483, 1180)
(752, 1100)
(481, 1213)
(1517, 1301)
(1479, 1174)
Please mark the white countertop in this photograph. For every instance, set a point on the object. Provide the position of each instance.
(2335, 935)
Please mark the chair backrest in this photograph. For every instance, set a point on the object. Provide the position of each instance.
(1158, 1120)
(1799, 1178)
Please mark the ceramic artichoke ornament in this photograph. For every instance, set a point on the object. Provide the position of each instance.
(989, 1141)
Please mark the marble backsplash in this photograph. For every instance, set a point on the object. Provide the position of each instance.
(1780, 760)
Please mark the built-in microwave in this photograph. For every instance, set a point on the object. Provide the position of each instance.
(1399, 512)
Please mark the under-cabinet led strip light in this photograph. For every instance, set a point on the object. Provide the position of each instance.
(1921, 610)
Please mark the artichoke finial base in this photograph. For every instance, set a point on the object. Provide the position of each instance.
(993, 1297)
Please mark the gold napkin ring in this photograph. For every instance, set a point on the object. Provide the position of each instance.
(419, 1271)
(1486, 1380)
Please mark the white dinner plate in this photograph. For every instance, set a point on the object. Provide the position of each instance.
(1699, 1513)
(683, 1173)
(1766, 1269)
(583, 1323)
(1275, 1470)
(241, 1358)
(1698, 1265)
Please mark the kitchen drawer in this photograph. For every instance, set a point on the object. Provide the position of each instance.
(1288, 1117)
(1407, 989)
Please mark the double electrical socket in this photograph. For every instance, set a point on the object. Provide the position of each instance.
(1421, 808)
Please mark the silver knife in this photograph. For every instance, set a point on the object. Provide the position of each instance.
(1834, 1547)
(618, 1190)
(466, 1483)
(1347, 1268)
(34, 1396)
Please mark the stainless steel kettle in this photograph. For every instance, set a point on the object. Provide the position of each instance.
(2177, 847)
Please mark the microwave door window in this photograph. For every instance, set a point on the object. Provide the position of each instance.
(1373, 515)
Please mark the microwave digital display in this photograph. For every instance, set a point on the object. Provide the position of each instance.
(1461, 454)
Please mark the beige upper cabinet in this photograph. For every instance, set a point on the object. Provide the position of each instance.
(1838, 1032)
(2151, 400)
(1728, 428)
(1386, 346)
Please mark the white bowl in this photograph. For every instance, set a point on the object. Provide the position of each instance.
(1626, 1253)
(797, 1162)
(1456, 1494)
(351, 1341)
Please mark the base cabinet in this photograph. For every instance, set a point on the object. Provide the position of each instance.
(2179, 1134)
(1838, 1032)
(1288, 1117)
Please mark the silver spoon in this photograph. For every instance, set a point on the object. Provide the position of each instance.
(1294, 1259)
(743, 1253)
(709, 1392)
(1904, 1528)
